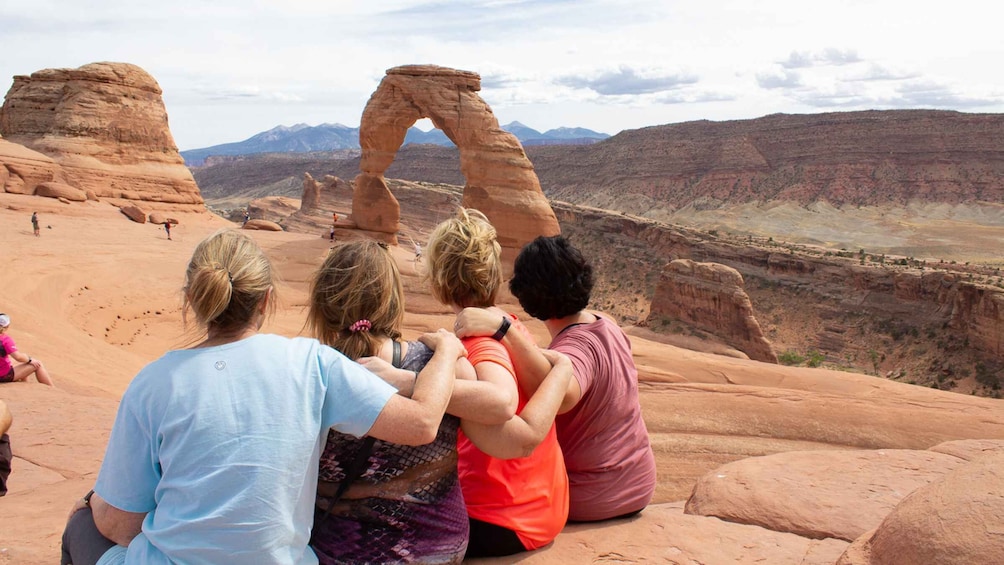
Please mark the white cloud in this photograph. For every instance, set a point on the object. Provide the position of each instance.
(231, 69)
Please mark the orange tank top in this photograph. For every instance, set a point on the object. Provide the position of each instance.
(528, 495)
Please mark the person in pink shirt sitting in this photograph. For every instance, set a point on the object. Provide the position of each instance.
(611, 467)
(27, 366)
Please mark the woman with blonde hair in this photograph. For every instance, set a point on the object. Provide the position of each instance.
(516, 504)
(379, 502)
(213, 455)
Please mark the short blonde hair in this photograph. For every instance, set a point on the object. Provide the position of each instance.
(227, 279)
(465, 260)
(359, 280)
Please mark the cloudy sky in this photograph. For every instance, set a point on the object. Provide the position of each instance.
(233, 68)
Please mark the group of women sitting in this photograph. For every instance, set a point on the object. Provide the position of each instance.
(255, 448)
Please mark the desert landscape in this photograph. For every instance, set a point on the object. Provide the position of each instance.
(759, 461)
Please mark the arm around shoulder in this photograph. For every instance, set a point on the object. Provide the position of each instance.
(416, 420)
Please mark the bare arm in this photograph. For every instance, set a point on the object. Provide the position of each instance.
(531, 364)
(479, 401)
(523, 433)
(20, 356)
(117, 525)
(415, 420)
(6, 419)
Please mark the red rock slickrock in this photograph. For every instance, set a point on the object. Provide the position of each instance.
(956, 520)
(134, 213)
(500, 179)
(817, 494)
(60, 190)
(105, 124)
(264, 225)
(711, 296)
(22, 169)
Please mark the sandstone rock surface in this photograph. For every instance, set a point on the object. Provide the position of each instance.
(134, 213)
(500, 179)
(105, 124)
(60, 190)
(22, 169)
(957, 520)
(161, 218)
(663, 534)
(711, 297)
(829, 494)
(264, 225)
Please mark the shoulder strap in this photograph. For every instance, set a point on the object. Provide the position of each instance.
(396, 359)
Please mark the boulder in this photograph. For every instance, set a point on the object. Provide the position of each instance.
(161, 218)
(91, 195)
(501, 181)
(711, 297)
(61, 191)
(134, 213)
(956, 520)
(105, 124)
(817, 494)
(264, 225)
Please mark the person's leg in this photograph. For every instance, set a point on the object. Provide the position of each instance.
(489, 540)
(83, 544)
(6, 456)
(25, 370)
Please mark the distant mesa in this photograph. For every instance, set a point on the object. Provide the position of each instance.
(101, 128)
(500, 180)
(302, 138)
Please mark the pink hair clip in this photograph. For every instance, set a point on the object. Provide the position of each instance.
(360, 326)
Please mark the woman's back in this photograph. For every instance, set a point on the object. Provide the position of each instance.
(213, 443)
(406, 506)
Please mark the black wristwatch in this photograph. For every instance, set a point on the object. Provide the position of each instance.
(503, 329)
(87, 498)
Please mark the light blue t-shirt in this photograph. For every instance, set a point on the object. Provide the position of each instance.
(220, 446)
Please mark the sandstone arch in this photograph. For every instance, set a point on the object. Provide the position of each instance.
(500, 179)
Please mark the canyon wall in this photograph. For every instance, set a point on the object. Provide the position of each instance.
(847, 158)
(837, 301)
(106, 127)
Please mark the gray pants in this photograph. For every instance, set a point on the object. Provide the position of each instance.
(83, 544)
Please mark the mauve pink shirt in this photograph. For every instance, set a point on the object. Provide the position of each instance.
(611, 467)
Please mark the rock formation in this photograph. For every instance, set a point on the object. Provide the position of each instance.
(264, 225)
(22, 170)
(945, 308)
(106, 126)
(500, 179)
(817, 494)
(956, 520)
(711, 297)
(853, 158)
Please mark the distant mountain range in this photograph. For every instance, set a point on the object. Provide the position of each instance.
(302, 138)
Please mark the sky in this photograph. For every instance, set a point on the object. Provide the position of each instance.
(232, 68)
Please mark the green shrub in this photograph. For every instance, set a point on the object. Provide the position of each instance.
(815, 358)
(790, 357)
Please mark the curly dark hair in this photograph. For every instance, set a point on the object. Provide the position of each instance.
(551, 279)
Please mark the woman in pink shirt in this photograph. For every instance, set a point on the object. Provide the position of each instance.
(27, 364)
(611, 467)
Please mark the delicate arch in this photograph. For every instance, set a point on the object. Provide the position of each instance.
(500, 180)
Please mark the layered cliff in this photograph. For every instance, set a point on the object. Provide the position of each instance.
(848, 158)
(106, 127)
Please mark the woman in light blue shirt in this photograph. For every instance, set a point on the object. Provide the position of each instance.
(214, 452)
